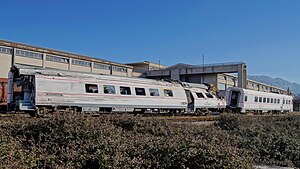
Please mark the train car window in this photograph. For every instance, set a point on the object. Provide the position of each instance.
(278, 101)
(264, 100)
(109, 89)
(260, 99)
(140, 91)
(154, 92)
(268, 100)
(200, 95)
(283, 101)
(246, 98)
(91, 88)
(125, 90)
(209, 95)
(271, 100)
(168, 93)
(255, 99)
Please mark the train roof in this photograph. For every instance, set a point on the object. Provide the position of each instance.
(248, 91)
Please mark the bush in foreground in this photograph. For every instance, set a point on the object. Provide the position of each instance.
(77, 141)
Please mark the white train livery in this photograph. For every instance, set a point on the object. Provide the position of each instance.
(44, 90)
(244, 100)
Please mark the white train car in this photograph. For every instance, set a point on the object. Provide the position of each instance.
(204, 101)
(44, 90)
(243, 100)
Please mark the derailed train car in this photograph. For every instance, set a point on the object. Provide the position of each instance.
(45, 90)
(244, 101)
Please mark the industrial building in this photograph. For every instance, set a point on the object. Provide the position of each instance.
(218, 74)
(139, 68)
(16, 53)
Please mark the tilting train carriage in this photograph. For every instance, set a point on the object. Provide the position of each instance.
(244, 100)
(45, 90)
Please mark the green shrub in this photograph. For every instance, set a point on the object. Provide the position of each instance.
(114, 141)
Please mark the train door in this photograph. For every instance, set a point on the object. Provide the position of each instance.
(190, 100)
(234, 99)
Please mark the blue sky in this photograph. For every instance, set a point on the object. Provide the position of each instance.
(263, 33)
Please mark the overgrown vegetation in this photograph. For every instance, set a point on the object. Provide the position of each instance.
(77, 141)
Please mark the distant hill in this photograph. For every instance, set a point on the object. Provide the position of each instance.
(278, 82)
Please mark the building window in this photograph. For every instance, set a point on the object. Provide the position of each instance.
(57, 59)
(119, 69)
(268, 100)
(140, 91)
(29, 54)
(5, 50)
(101, 66)
(255, 99)
(271, 100)
(264, 100)
(260, 99)
(91, 88)
(168, 93)
(246, 98)
(81, 63)
(109, 89)
(154, 92)
(278, 101)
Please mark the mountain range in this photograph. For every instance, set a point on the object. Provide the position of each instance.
(278, 82)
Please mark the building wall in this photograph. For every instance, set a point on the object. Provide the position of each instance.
(48, 58)
(5, 64)
(117, 73)
(140, 67)
(129, 72)
(101, 71)
(57, 65)
(28, 61)
(80, 68)
(227, 80)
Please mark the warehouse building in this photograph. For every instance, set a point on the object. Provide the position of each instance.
(218, 74)
(16, 53)
(139, 68)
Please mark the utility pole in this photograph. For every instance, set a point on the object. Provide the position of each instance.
(203, 65)
(159, 64)
(203, 59)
